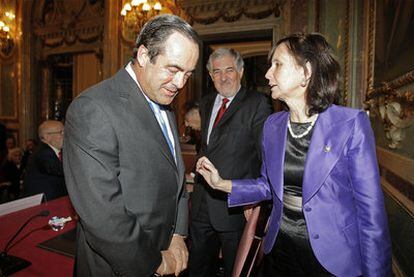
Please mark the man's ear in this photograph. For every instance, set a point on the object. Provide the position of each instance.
(46, 138)
(241, 72)
(142, 55)
(211, 75)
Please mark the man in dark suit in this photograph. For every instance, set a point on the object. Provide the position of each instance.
(44, 172)
(28, 151)
(122, 160)
(231, 127)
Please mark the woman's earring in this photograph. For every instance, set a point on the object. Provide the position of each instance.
(303, 83)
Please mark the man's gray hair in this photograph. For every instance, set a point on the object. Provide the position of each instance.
(220, 52)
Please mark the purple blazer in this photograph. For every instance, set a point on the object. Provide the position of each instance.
(342, 198)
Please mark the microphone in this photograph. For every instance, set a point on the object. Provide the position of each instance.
(11, 264)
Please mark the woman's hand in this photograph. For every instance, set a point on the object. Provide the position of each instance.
(211, 175)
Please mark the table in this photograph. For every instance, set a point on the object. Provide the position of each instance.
(44, 263)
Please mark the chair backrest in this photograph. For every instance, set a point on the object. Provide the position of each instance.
(20, 204)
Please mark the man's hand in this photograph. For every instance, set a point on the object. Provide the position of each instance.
(168, 265)
(180, 253)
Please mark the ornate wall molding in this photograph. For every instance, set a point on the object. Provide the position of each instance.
(347, 53)
(210, 11)
(212, 17)
(371, 45)
(247, 49)
(393, 102)
(392, 86)
(68, 24)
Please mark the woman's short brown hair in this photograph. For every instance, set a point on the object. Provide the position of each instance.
(324, 81)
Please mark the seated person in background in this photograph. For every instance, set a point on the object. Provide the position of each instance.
(44, 172)
(10, 143)
(192, 122)
(13, 172)
(3, 149)
(30, 147)
(3, 132)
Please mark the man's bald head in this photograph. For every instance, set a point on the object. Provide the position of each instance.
(51, 132)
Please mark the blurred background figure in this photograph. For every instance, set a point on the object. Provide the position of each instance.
(44, 172)
(13, 173)
(3, 155)
(28, 151)
(2, 141)
(192, 117)
(10, 142)
(192, 123)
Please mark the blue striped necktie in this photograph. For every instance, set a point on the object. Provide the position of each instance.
(157, 110)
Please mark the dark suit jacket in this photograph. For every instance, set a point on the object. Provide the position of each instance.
(13, 174)
(44, 174)
(234, 148)
(122, 180)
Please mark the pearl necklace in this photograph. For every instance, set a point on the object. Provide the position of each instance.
(312, 123)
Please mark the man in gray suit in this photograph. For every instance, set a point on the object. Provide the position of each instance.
(122, 160)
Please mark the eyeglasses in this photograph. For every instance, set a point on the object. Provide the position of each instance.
(56, 132)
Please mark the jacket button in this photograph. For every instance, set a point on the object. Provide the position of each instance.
(316, 236)
(308, 209)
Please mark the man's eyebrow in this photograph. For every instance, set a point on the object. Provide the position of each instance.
(219, 69)
(180, 68)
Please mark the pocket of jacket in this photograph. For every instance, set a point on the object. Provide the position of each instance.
(351, 234)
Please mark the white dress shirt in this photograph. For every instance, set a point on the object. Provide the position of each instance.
(216, 107)
(131, 72)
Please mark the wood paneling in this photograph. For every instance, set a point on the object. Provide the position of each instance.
(400, 165)
(86, 71)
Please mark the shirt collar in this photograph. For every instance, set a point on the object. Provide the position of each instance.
(54, 149)
(131, 73)
(221, 97)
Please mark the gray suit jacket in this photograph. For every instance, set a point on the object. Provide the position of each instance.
(122, 180)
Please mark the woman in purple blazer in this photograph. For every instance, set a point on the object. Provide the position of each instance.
(319, 168)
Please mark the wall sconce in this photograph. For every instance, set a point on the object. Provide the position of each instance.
(135, 13)
(6, 26)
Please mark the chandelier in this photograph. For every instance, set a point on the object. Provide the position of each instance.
(135, 13)
(6, 28)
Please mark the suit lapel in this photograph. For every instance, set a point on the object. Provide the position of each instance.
(275, 145)
(142, 112)
(206, 116)
(329, 137)
(179, 164)
(233, 107)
